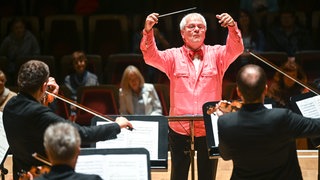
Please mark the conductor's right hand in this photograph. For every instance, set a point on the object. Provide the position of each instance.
(151, 20)
(123, 122)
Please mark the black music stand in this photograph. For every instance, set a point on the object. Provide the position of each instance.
(191, 119)
(213, 150)
(157, 164)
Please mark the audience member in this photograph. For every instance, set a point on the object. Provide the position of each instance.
(25, 119)
(282, 87)
(20, 42)
(62, 145)
(260, 141)
(253, 38)
(196, 72)
(80, 77)
(136, 96)
(288, 35)
(5, 93)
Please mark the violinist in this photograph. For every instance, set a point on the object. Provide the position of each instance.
(25, 119)
(62, 144)
(260, 141)
(282, 88)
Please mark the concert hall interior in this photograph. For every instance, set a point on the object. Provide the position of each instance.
(109, 32)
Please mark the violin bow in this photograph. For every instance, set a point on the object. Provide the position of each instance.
(264, 60)
(104, 117)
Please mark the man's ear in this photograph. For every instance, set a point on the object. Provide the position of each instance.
(44, 87)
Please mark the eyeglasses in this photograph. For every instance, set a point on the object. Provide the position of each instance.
(192, 27)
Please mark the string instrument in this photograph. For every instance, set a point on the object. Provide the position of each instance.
(36, 171)
(224, 106)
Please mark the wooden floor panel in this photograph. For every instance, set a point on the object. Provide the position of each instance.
(308, 160)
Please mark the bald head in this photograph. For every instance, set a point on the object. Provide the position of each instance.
(251, 82)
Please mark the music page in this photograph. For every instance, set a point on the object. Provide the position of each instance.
(114, 166)
(4, 146)
(145, 134)
(310, 107)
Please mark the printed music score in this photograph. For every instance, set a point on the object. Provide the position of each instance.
(4, 146)
(145, 134)
(310, 107)
(109, 166)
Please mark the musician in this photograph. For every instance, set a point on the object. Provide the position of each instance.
(260, 141)
(196, 72)
(283, 88)
(62, 144)
(25, 119)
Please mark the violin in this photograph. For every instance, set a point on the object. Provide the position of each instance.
(36, 171)
(224, 106)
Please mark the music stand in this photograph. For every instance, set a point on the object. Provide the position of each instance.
(311, 99)
(4, 148)
(118, 163)
(213, 150)
(157, 144)
(191, 119)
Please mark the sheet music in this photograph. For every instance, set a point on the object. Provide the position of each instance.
(214, 121)
(114, 166)
(310, 107)
(4, 146)
(145, 134)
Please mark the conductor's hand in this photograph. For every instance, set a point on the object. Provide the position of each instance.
(123, 122)
(225, 20)
(52, 85)
(151, 20)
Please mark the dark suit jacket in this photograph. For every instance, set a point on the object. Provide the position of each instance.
(261, 141)
(25, 121)
(64, 172)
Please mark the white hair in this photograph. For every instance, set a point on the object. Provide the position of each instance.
(183, 21)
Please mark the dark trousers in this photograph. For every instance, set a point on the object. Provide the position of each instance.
(180, 157)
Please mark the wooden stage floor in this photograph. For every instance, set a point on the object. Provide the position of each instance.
(308, 160)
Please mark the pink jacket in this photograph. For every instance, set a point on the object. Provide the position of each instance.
(188, 91)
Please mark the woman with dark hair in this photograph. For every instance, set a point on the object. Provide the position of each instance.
(282, 87)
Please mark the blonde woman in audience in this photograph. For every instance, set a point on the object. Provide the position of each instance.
(5, 93)
(136, 96)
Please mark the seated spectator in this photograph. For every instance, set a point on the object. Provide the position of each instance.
(136, 96)
(20, 42)
(288, 35)
(80, 77)
(62, 144)
(282, 87)
(5, 93)
(253, 38)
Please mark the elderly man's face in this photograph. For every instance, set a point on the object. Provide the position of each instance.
(194, 32)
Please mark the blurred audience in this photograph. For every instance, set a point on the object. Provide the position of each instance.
(288, 35)
(252, 36)
(136, 96)
(5, 93)
(80, 77)
(282, 87)
(20, 42)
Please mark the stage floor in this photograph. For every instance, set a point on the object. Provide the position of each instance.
(308, 160)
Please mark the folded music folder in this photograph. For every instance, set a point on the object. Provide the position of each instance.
(211, 126)
(307, 104)
(114, 164)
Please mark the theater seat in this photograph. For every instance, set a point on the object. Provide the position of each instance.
(102, 99)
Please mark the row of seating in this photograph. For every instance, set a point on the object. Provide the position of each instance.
(110, 70)
(106, 34)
